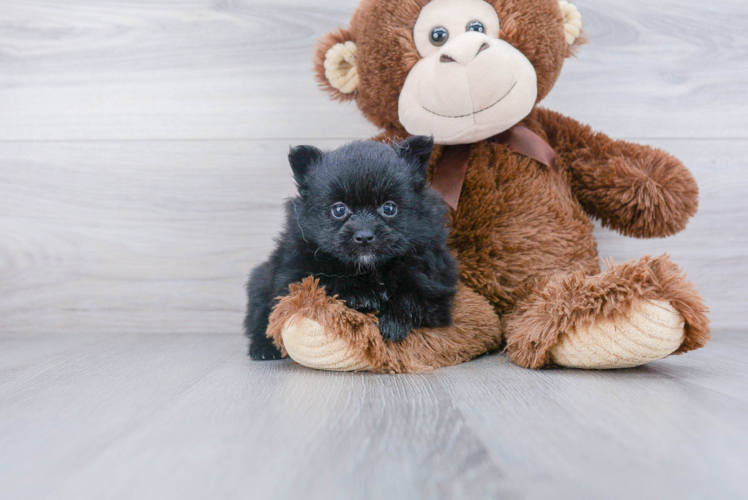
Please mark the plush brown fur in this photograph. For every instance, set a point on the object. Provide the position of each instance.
(323, 45)
(522, 232)
(637, 190)
(475, 330)
(561, 301)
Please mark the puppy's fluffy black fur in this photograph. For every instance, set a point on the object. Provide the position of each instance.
(364, 223)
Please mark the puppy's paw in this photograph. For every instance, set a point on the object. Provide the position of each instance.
(362, 304)
(264, 350)
(392, 329)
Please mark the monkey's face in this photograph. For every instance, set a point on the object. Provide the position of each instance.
(460, 70)
(468, 85)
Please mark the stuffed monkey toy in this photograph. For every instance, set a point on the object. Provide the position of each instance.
(523, 183)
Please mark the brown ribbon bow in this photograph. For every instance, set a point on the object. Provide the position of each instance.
(450, 171)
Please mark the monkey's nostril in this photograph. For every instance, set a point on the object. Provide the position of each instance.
(483, 47)
(446, 59)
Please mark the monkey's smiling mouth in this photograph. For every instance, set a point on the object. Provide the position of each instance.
(474, 112)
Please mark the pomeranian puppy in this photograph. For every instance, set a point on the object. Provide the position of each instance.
(367, 226)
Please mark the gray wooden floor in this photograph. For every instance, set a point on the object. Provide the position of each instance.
(142, 166)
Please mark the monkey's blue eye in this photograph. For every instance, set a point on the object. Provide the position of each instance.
(439, 36)
(474, 26)
(339, 210)
(389, 209)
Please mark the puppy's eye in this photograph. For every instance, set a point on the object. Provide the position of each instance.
(339, 210)
(439, 36)
(474, 26)
(389, 209)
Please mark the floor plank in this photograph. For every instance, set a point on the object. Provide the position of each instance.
(190, 416)
(90, 395)
(721, 368)
(639, 433)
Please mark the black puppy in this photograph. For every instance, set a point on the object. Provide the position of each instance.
(367, 226)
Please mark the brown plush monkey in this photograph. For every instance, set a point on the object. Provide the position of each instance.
(523, 182)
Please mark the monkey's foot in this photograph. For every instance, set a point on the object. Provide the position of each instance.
(308, 344)
(320, 332)
(628, 315)
(654, 331)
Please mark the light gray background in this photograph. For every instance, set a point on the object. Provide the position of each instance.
(142, 167)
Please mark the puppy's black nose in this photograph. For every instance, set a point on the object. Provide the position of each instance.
(363, 237)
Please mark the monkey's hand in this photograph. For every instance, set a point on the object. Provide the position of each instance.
(640, 191)
(637, 190)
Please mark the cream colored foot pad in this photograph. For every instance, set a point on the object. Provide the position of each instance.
(652, 333)
(309, 345)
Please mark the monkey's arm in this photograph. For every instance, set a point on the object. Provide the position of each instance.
(637, 190)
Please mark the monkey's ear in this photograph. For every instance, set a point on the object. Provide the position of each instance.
(572, 26)
(302, 158)
(417, 151)
(335, 65)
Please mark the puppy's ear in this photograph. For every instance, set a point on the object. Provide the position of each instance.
(302, 158)
(417, 151)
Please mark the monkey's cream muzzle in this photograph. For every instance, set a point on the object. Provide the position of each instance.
(470, 85)
(473, 88)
